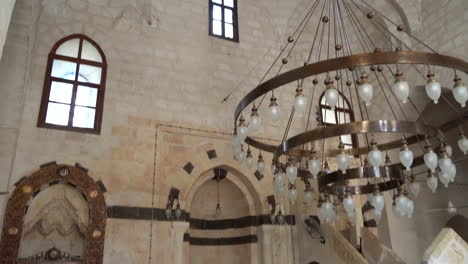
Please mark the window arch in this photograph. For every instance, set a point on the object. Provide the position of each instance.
(343, 114)
(74, 85)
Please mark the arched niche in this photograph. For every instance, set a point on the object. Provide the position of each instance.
(27, 189)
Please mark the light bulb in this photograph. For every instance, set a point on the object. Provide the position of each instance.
(260, 164)
(445, 163)
(291, 171)
(349, 204)
(274, 109)
(249, 159)
(401, 88)
(308, 196)
(415, 188)
(178, 212)
(410, 208)
(300, 103)
(314, 166)
(168, 213)
(375, 156)
(242, 130)
(452, 173)
(433, 88)
(463, 143)
(430, 159)
(378, 201)
(449, 150)
(401, 201)
(406, 157)
(432, 183)
(331, 97)
(255, 121)
(365, 90)
(293, 194)
(460, 92)
(444, 178)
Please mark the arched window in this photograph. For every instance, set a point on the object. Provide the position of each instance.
(73, 94)
(342, 114)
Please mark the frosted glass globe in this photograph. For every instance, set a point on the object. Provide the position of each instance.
(240, 156)
(444, 178)
(430, 159)
(348, 204)
(242, 132)
(401, 203)
(291, 171)
(273, 168)
(235, 139)
(378, 202)
(280, 177)
(249, 161)
(449, 150)
(293, 195)
(366, 92)
(463, 144)
(331, 97)
(275, 112)
(321, 214)
(255, 123)
(433, 90)
(460, 93)
(445, 164)
(397, 211)
(377, 216)
(308, 197)
(415, 188)
(314, 166)
(272, 218)
(300, 104)
(406, 158)
(343, 162)
(432, 183)
(453, 172)
(261, 166)
(410, 208)
(281, 190)
(401, 90)
(375, 158)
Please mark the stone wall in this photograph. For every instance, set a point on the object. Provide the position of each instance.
(5, 16)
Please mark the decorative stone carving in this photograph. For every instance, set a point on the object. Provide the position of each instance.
(343, 249)
(448, 247)
(17, 204)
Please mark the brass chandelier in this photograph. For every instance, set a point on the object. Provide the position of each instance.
(352, 62)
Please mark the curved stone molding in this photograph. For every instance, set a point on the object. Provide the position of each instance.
(30, 186)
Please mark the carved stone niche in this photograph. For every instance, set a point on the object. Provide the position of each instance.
(26, 191)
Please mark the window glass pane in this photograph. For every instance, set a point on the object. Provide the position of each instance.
(217, 12)
(83, 117)
(324, 101)
(89, 52)
(57, 114)
(217, 1)
(69, 48)
(346, 139)
(86, 96)
(229, 3)
(90, 74)
(61, 92)
(227, 15)
(348, 146)
(228, 31)
(217, 28)
(341, 103)
(64, 69)
(343, 117)
(328, 116)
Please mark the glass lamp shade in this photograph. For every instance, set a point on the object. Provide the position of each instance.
(449, 150)
(444, 178)
(321, 214)
(378, 202)
(415, 188)
(293, 195)
(242, 131)
(218, 209)
(409, 208)
(240, 157)
(332, 216)
(272, 218)
(255, 123)
(235, 140)
(275, 112)
(261, 166)
(331, 97)
(291, 171)
(432, 183)
(366, 92)
(397, 211)
(281, 190)
(401, 90)
(314, 166)
(445, 164)
(275, 186)
(178, 213)
(168, 213)
(460, 93)
(430, 159)
(343, 162)
(401, 203)
(433, 90)
(453, 172)
(463, 144)
(406, 158)
(308, 197)
(236, 149)
(348, 204)
(377, 216)
(375, 158)
(249, 161)
(280, 177)
(273, 168)
(281, 219)
(352, 217)
(300, 104)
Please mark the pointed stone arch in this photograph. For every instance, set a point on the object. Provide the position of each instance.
(30, 186)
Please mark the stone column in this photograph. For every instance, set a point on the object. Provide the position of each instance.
(177, 234)
(267, 243)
